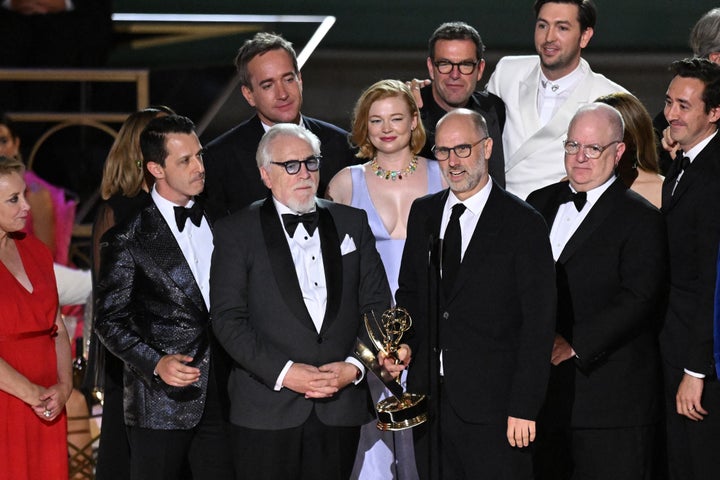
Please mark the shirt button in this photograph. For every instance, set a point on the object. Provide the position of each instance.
(446, 315)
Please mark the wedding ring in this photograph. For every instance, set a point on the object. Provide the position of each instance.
(47, 413)
(691, 408)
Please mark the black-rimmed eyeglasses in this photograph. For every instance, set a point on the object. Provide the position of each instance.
(590, 151)
(461, 151)
(292, 167)
(445, 66)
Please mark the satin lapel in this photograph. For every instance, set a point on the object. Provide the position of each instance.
(282, 263)
(483, 238)
(598, 214)
(157, 239)
(692, 174)
(550, 208)
(668, 186)
(332, 263)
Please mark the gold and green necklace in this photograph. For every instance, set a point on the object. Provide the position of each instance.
(394, 174)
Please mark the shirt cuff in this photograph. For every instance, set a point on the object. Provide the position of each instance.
(281, 377)
(360, 367)
(694, 374)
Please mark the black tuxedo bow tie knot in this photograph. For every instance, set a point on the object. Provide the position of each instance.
(579, 198)
(194, 213)
(309, 221)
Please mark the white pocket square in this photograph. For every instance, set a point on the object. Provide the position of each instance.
(347, 245)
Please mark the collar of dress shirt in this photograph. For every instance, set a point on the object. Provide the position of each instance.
(267, 127)
(475, 204)
(594, 195)
(564, 84)
(282, 208)
(693, 152)
(166, 208)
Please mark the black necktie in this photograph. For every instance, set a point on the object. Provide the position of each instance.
(291, 221)
(194, 213)
(452, 246)
(579, 198)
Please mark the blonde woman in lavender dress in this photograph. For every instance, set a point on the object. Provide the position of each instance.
(387, 130)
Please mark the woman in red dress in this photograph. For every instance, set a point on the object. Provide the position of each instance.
(35, 362)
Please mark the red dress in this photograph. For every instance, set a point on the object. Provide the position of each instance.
(30, 448)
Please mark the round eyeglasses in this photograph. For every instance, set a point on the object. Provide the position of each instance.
(446, 66)
(590, 151)
(292, 167)
(461, 151)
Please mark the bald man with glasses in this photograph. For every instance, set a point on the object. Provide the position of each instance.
(610, 251)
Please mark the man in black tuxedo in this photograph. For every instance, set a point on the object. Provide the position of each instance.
(153, 303)
(495, 316)
(271, 83)
(291, 277)
(455, 65)
(610, 249)
(691, 195)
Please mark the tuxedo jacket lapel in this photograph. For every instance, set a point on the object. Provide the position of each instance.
(281, 262)
(483, 238)
(595, 218)
(550, 208)
(157, 239)
(332, 263)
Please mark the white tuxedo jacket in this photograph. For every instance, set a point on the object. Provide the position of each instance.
(534, 155)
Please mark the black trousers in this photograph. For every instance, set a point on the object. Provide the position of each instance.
(468, 451)
(312, 451)
(167, 454)
(693, 448)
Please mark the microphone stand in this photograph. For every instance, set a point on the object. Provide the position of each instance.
(434, 266)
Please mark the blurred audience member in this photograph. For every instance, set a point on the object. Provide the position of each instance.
(35, 364)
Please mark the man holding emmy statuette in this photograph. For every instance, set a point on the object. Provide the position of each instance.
(478, 277)
(291, 278)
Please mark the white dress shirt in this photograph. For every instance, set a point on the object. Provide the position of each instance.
(196, 243)
(568, 219)
(691, 154)
(553, 93)
(310, 270)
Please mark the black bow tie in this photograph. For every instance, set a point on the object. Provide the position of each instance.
(194, 213)
(579, 198)
(309, 221)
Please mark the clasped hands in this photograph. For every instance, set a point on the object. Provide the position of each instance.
(51, 401)
(326, 380)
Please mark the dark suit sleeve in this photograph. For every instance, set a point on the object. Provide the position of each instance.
(699, 352)
(408, 294)
(116, 323)
(642, 287)
(230, 272)
(374, 290)
(534, 272)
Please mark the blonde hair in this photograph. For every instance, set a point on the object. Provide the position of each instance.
(9, 165)
(378, 91)
(123, 172)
